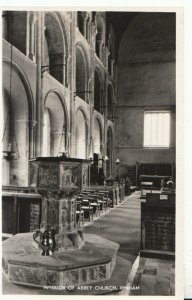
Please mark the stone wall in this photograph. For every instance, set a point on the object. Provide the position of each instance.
(145, 80)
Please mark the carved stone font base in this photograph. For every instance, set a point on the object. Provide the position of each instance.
(23, 264)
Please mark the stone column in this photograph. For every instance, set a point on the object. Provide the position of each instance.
(84, 24)
(72, 85)
(67, 141)
(112, 66)
(99, 40)
(39, 104)
(88, 29)
(107, 53)
(67, 66)
(56, 137)
(91, 87)
(99, 45)
(32, 21)
(32, 124)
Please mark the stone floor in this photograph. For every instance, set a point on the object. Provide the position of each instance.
(121, 224)
(154, 277)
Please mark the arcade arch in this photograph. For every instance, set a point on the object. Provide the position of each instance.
(55, 125)
(81, 134)
(55, 48)
(18, 119)
(97, 140)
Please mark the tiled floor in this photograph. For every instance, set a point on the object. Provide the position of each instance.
(154, 277)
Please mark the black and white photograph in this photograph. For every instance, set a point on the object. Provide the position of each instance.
(89, 170)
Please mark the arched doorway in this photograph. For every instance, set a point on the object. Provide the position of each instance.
(81, 135)
(54, 125)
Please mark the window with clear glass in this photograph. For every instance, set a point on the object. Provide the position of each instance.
(157, 129)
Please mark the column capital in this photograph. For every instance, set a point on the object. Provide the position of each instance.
(68, 133)
(32, 123)
(32, 17)
(55, 132)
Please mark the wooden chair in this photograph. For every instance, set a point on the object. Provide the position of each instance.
(103, 201)
(95, 204)
(105, 194)
(87, 208)
(85, 193)
(90, 191)
(79, 214)
(146, 185)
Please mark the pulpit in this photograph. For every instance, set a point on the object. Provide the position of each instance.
(77, 258)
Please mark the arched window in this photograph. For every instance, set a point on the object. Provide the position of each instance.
(81, 135)
(81, 74)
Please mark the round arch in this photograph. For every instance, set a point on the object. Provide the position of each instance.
(81, 133)
(97, 136)
(18, 115)
(55, 46)
(62, 21)
(26, 84)
(63, 103)
(55, 140)
(82, 72)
